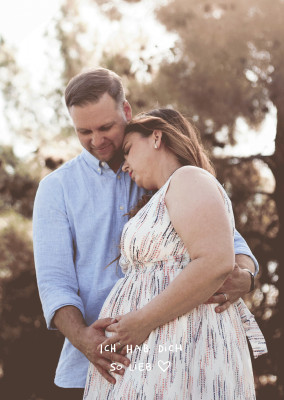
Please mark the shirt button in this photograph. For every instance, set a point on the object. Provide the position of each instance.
(99, 170)
(121, 207)
(118, 176)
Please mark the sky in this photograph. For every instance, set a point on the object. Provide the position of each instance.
(23, 23)
(21, 19)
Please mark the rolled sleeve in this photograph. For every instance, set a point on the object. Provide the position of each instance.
(241, 247)
(54, 251)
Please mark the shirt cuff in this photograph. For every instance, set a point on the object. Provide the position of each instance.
(50, 313)
(245, 251)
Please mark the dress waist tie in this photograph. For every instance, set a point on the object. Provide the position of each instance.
(252, 330)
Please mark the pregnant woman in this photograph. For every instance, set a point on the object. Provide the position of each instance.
(176, 251)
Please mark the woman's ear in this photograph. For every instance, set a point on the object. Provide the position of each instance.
(157, 138)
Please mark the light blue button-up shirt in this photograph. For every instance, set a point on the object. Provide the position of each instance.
(78, 219)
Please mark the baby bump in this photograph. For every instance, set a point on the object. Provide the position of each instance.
(137, 289)
(118, 300)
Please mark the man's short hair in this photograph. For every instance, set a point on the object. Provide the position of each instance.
(89, 87)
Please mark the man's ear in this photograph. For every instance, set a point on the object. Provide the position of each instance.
(127, 110)
(157, 136)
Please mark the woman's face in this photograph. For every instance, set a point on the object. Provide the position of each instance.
(139, 154)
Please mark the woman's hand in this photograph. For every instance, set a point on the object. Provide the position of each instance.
(130, 329)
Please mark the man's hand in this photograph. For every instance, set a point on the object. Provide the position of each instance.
(236, 285)
(91, 338)
(86, 339)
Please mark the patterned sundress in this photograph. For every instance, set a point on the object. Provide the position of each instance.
(201, 355)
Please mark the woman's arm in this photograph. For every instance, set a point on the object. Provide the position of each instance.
(198, 214)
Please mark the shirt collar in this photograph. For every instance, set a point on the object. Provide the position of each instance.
(97, 165)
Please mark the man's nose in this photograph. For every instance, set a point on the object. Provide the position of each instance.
(96, 140)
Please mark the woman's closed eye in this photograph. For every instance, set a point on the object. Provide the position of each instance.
(126, 151)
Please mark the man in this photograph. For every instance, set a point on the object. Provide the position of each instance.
(79, 214)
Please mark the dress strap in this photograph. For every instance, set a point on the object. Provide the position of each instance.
(163, 190)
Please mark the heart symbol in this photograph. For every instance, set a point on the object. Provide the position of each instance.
(164, 365)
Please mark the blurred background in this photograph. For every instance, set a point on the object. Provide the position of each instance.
(219, 62)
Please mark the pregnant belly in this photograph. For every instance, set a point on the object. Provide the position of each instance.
(136, 290)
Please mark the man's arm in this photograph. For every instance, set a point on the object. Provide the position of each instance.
(57, 281)
(239, 281)
(242, 248)
(54, 251)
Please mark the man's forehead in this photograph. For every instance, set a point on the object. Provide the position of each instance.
(94, 123)
(91, 114)
(106, 107)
